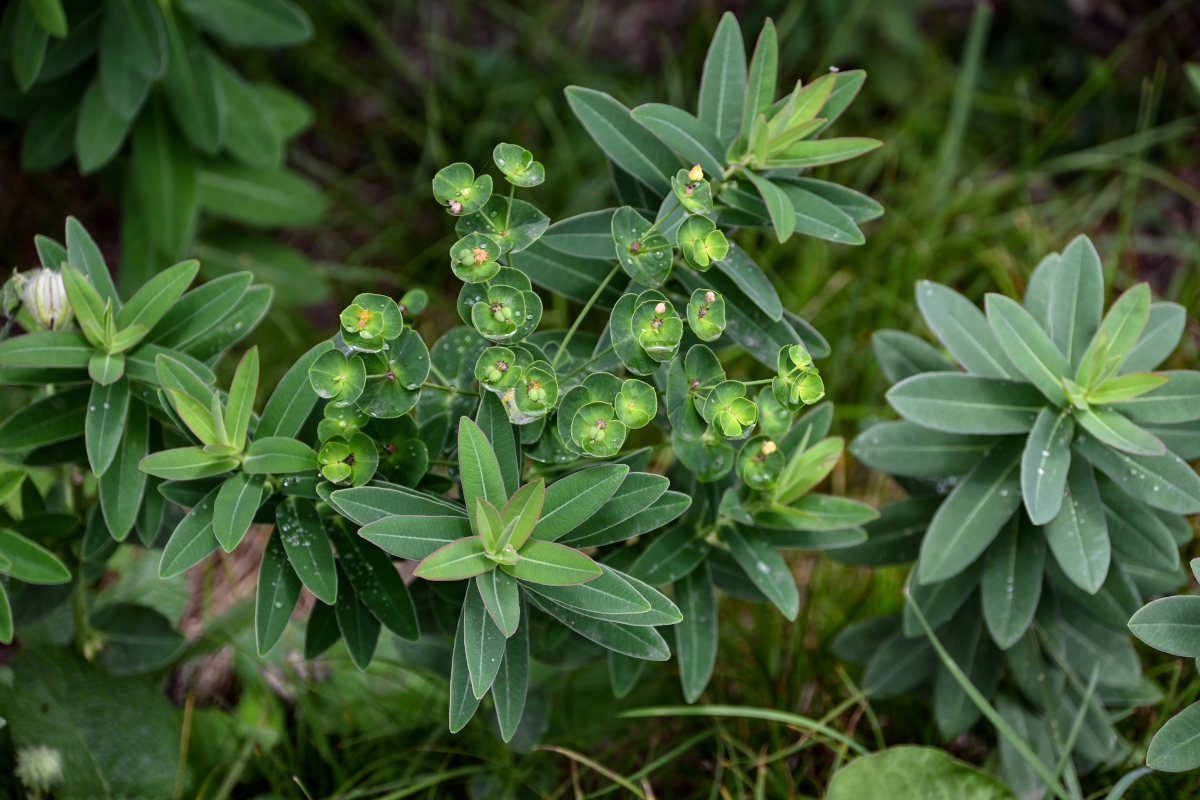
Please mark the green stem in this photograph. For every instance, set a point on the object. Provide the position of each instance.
(437, 373)
(562, 347)
(512, 189)
(652, 228)
(444, 388)
(586, 364)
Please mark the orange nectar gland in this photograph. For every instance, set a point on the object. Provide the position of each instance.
(364, 317)
(710, 297)
(767, 448)
(695, 173)
(480, 254)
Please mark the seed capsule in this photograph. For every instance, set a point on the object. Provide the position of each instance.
(46, 298)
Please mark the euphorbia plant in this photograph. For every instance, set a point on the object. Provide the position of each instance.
(539, 483)
(1046, 464)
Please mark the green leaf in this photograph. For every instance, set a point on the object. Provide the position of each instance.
(133, 53)
(1078, 535)
(358, 625)
(1044, 464)
(751, 279)
(723, 82)
(105, 423)
(519, 517)
(241, 398)
(259, 197)
(958, 403)
(905, 448)
(154, 299)
(28, 46)
(817, 152)
(512, 683)
(1076, 298)
(689, 137)
(856, 205)
(779, 205)
(1165, 482)
(185, 463)
(806, 468)
(252, 23)
(459, 560)
(137, 639)
(198, 417)
(492, 419)
(607, 595)
(416, 536)
(1175, 747)
(638, 492)
(552, 564)
(375, 581)
(1159, 338)
(367, 504)
(971, 515)
(100, 131)
(963, 329)
(163, 175)
(321, 632)
(253, 135)
(1126, 387)
(6, 618)
(293, 398)
(1012, 582)
(47, 420)
(479, 470)
(1115, 430)
(1173, 401)
(123, 484)
(87, 303)
(696, 636)
(573, 499)
(502, 598)
(29, 561)
(911, 771)
(765, 568)
(47, 349)
(1137, 533)
(483, 643)
(760, 85)
(192, 540)
(622, 138)
(192, 88)
(198, 311)
(645, 643)
(1119, 331)
(1170, 624)
(463, 702)
(277, 455)
(278, 591)
(898, 665)
(816, 216)
(50, 15)
(106, 368)
(237, 502)
(1028, 346)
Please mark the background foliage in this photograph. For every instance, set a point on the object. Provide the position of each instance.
(1005, 135)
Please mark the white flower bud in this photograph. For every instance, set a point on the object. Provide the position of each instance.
(46, 298)
(661, 308)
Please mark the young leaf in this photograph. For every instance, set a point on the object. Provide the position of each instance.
(502, 598)
(196, 416)
(1028, 347)
(241, 399)
(760, 85)
(483, 643)
(278, 591)
(723, 82)
(278, 455)
(487, 521)
(552, 564)
(520, 515)
(806, 468)
(1076, 298)
(461, 559)
(1159, 338)
(1136, 384)
(237, 502)
(1172, 402)
(1044, 464)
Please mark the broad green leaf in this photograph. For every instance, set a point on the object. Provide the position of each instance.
(198, 311)
(278, 591)
(622, 138)
(277, 455)
(552, 564)
(483, 643)
(608, 594)
(905, 448)
(1044, 464)
(753, 282)
(692, 138)
(416, 536)
(638, 492)
(816, 216)
(1159, 338)
(1174, 401)
(28, 46)
(858, 206)
(696, 636)
(259, 197)
(1028, 347)
(192, 540)
(47, 349)
(461, 559)
(479, 470)
(760, 84)
(376, 582)
(237, 502)
(154, 299)
(28, 561)
(779, 205)
(911, 772)
(502, 598)
(50, 419)
(133, 53)
(958, 403)
(971, 515)
(1115, 430)
(192, 88)
(765, 568)
(637, 642)
(1175, 747)
(185, 463)
(723, 83)
(1078, 535)
(359, 627)
(108, 407)
(512, 683)
(163, 174)
(100, 131)
(573, 276)
(1076, 298)
(493, 420)
(366, 504)
(963, 329)
(1170, 624)
(137, 639)
(293, 398)
(1138, 535)
(573, 499)
(198, 417)
(463, 702)
(123, 484)
(520, 515)
(252, 23)
(1012, 582)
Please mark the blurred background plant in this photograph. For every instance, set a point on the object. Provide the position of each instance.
(1007, 130)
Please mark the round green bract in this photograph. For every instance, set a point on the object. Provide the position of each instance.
(497, 369)
(758, 469)
(518, 165)
(334, 376)
(695, 196)
(503, 300)
(691, 236)
(466, 251)
(457, 184)
(514, 229)
(707, 320)
(340, 420)
(636, 403)
(661, 343)
(645, 258)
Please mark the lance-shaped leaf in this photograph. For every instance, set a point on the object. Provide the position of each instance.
(520, 515)
(608, 594)
(958, 403)
(963, 329)
(278, 592)
(577, 497)
(241, 399)
(192, 540)
(683, 133)
(154, 299)
(1028, 347)
(1172, 402)
(1078, 535)
(1076, 298)
(28, 561)
(696, 636)
(502, 598)
(461, 559)
(186, 463)
(1165, 482)
(1170, 624)
(237, 502)
(479, 471)
(552, 564)
(108, 407)
(483, 642)
(1115, 430)
(463, 702)
(303, 535)
(278, 455)
(1118, 332)
(512, 684)
(765, 568)
(645, 643)
(1044, 464)
(416, 536)
(1012, 582)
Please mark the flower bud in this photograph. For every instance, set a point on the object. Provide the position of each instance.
(46, 298)
(695, 173)
(661, 308)
(710, 296)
